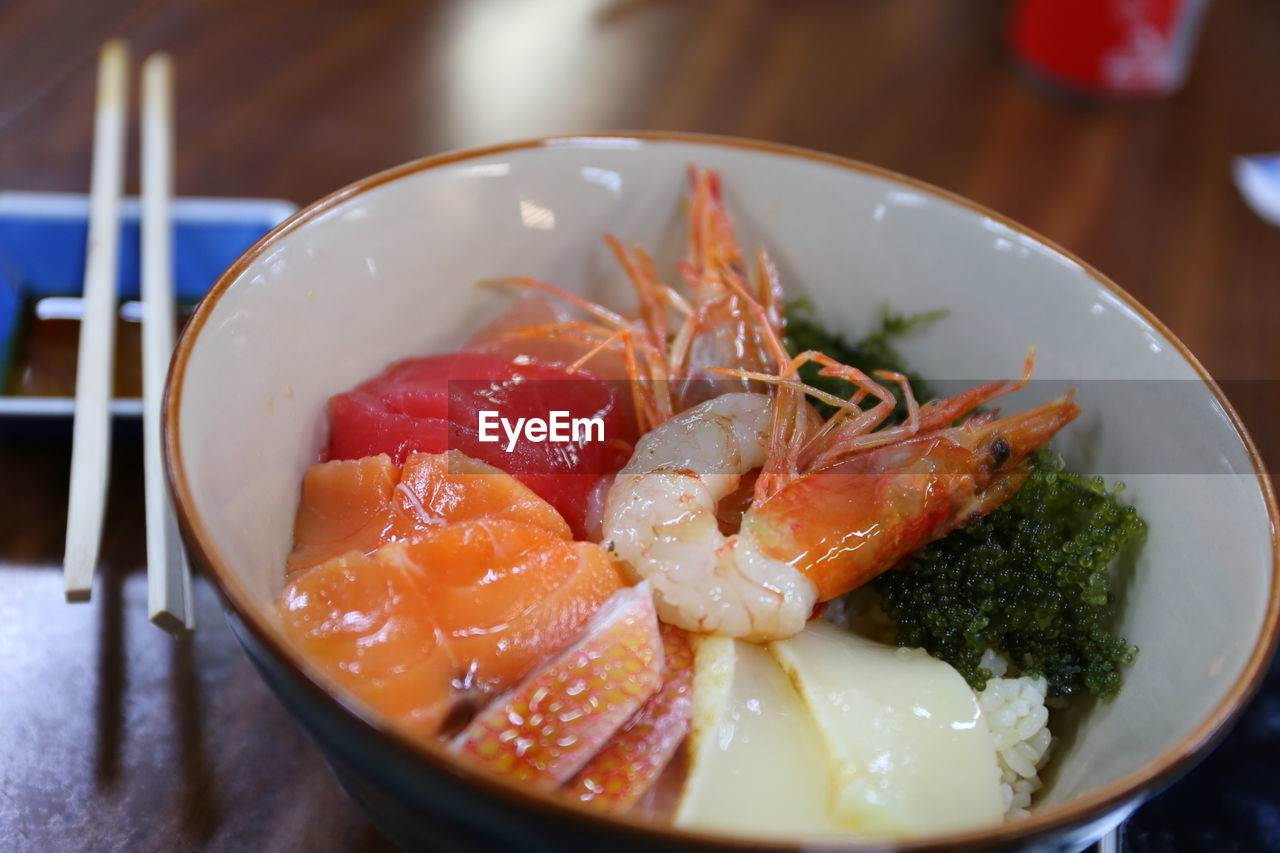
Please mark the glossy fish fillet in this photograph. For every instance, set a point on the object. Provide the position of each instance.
(360, 504)
(633, 759)
(507, 594)
(442, 583)
(366, 622)
(545, 730)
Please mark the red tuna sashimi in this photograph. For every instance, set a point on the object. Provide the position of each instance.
(546, 729)
(634, 758)
(434, 403)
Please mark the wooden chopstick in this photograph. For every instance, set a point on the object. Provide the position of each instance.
(168, 576)
(91, 433)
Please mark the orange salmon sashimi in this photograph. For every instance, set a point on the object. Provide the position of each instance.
(360, 504)
(633, 759)
(367, 622)
(507, 595)
(546, 729)
(423, 624)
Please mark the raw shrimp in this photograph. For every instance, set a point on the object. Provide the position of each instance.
(731, 318)
(836, 504)
(734, 319)
(660, 518)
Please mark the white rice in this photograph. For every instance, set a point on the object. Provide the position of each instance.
(1019, 723)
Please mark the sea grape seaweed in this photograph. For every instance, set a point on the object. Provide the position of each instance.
(1031, 580)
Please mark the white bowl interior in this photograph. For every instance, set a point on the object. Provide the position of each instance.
(390, 273)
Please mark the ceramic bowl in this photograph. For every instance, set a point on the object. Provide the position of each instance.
(386, 268)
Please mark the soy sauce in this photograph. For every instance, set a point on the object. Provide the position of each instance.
(44, 355)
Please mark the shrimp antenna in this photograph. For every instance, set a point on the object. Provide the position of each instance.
(786, 382)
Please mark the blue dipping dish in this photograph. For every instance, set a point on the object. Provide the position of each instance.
(42, 253)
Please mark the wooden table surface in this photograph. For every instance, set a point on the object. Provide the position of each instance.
(112, 735)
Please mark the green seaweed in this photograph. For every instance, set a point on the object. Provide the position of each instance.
(1031, 579)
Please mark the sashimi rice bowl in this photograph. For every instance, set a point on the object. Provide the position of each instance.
(650, 490)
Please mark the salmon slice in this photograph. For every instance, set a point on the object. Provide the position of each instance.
(453, 486)
(360, 504)
(508, 594)
(345, 506)
(368, 623)
(470, 606)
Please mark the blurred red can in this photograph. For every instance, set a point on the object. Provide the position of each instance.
(1108, 48)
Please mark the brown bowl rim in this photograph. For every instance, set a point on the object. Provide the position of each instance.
(1043, 822)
